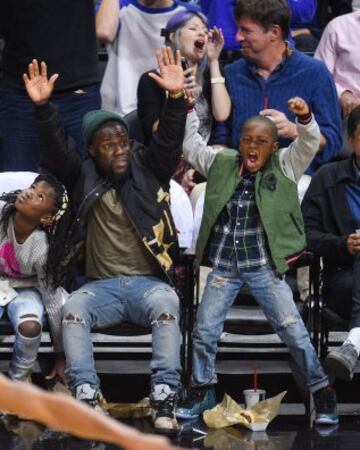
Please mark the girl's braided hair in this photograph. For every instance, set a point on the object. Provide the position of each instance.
(56, 232)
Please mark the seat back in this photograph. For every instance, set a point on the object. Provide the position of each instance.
(135, 128)
(328, 326)
(13, 181)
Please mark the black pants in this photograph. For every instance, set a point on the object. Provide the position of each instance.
(341, 292)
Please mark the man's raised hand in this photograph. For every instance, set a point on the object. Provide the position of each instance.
(37, 84)
(285, 127)
(171, 73)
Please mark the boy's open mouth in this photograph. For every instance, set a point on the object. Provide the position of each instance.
(252, 159)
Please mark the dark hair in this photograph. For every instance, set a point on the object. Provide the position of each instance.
(264, 121)
(353, 121)
(266, 13)
(56, 232)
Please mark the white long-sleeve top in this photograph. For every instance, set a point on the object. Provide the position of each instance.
(294, 159)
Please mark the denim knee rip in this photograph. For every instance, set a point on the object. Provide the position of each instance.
(218, 282)
(29, 327)
(287, 321)
(73, 319)
(164, 319)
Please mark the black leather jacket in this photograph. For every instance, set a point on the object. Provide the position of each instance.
(144, 194)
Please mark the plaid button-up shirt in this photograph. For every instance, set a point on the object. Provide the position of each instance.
(238, 233)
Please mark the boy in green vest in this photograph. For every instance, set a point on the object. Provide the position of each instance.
(252, 229)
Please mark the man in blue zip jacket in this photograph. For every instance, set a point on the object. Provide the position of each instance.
(270, 73)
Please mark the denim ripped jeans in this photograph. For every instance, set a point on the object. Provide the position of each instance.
(142, 300)
(26, 314)
(275, 298)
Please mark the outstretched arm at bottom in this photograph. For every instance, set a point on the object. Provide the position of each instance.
(63, 413)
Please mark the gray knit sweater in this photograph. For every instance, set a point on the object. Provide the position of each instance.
(23, 265)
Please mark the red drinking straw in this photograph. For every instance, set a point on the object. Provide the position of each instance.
(255, 378)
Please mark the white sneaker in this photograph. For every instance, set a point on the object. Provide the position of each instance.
(92, 396)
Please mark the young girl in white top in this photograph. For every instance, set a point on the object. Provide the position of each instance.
(31, 239)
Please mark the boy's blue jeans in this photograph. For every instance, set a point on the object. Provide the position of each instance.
(142, 300)
(275, 298)
(27, 305)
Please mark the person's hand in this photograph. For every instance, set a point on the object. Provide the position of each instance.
(285, 128)
(298, 106)
(187, 181)
(58, 370)
(215, 44)
(171, 73)
(348, 102)
(190, 82)
(353, 243)
(37, 84)
(191, 99)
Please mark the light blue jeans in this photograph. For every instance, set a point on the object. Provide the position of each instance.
(142, 300)
(275, 298)
(26, 307)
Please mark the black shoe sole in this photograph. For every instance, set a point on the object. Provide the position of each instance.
(336, 367)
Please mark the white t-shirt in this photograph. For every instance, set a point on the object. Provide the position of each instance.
(133, 52)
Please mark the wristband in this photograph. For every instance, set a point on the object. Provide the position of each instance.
(218, 80)
(305, 119)
(176, 95)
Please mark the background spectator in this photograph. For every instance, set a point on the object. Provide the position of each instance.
(187, 31)
(328, 9)
(62, 33)
(303, 13)
(221, 14)
(331, 209)
(132, 45)
(270, 73)
(339, 50)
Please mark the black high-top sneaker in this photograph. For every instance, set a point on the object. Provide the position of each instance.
(163, 403)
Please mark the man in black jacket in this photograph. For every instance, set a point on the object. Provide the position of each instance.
(331, 209)
(123, 226)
